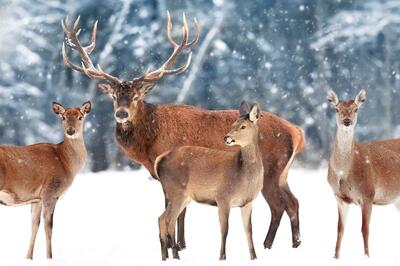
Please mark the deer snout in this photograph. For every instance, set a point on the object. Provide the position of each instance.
(346, 122)
(70, 131)
(121, 115)
(229, 140)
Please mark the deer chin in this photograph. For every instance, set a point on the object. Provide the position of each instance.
(74, 136)
(121, 120)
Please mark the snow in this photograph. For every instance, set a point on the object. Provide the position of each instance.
(110, 218)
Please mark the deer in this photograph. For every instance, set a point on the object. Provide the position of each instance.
(225, 179)
(145, 130)
(364, 173)
(40, 174)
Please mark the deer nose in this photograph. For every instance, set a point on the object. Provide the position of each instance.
(70, 131)
(228, 140)
(347, 122)
(121, 114)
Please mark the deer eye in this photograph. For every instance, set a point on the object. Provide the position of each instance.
(337, 110)
(80, 118)
(355, 110)
(242, 127)
(63, 118)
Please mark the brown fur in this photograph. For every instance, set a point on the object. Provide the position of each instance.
(361, 173)
(220, 178)
(159, 128)
(39, 174)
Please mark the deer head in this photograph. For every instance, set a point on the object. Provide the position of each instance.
(127, 94)
(72, 118)
(244, 131)
(346, 111)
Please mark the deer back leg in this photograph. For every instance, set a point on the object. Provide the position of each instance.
(48, 213)
(292, 210)
(181, 230)
(366, 209)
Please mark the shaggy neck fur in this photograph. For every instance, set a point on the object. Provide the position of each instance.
(140, 133)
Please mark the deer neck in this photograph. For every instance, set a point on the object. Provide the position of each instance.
(73, 153)
(250, 155)
(343, 148)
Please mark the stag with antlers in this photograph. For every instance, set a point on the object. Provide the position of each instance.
(144, 130)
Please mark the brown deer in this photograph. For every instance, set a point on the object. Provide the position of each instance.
(144, 130)
(39, 174)
(361, 173)
(225, 179)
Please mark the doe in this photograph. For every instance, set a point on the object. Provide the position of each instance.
(39, 174)
(215, 177)
(361, 173)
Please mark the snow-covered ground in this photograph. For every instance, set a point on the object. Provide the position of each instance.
(110, 218)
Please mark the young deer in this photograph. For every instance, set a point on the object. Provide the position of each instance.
(145, 130)
(361, 173)
(219, 178)
(39, 174)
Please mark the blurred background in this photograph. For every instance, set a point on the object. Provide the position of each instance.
(284, 54)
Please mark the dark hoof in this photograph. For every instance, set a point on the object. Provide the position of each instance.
(222, 257)
(267, 245)
(253, 257)
(181, 246)
(176, 256)
(296, 243)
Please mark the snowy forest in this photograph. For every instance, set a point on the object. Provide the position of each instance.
(284, 54)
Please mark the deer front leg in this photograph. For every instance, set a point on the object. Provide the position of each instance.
(48, 213)
(36, 209)
(223, 213)
(366, 209)
(246, 218)
(342, 214)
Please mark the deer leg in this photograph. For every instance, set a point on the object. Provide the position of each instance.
(163, 235)
(343, 208)
(36, 209)
(246, 218)
(277, 208)
(48, 212)
(292, 210)
(223, 213)
(174, 208)
(181, 230)
(366, 209)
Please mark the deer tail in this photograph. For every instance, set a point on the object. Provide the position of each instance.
(298, 144)
(157, 163)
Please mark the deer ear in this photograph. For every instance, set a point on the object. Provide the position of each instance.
(254, 113)
(58, 109)
(332, 97)
(360, 98)
(106, 88)
(244, 108)
(86, 107)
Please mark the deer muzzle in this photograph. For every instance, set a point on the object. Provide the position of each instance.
(229, 140)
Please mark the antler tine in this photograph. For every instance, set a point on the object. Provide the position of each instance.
(87, 66)
(180, 69)
(169, 29)
(196, 36)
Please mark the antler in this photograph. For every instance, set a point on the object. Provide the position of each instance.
(71, 39)
(178, 49)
